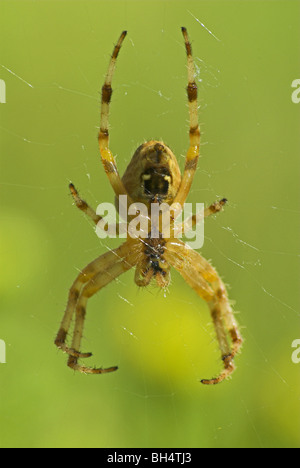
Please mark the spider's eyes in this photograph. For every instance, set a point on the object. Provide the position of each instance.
(156, 181)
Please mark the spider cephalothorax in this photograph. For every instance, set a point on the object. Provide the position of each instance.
(152, 174)
(152, 178)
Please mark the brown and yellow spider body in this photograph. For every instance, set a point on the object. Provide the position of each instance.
(152, 177)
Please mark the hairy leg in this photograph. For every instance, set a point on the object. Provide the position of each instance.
(107, 157)
(98, 282)
(83, 206)
(193, 151)
(143, 273)
(187, 225)
(203, 278)
(101, 263)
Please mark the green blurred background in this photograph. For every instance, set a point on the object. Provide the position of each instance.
(53, 57)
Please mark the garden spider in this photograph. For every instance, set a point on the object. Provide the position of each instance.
(153, 176)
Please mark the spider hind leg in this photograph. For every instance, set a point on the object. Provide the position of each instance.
(92, 279)
(203, 278)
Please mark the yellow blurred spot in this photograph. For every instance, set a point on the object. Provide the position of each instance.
(170, 337)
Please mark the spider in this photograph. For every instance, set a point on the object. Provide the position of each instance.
(152, 176)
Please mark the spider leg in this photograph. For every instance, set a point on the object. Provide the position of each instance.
(97, 282)
(107, 157)
(198, 217)
(143, 273)
(193, 152)
(210, 275)
(203, 278)
(83, 206)
(163, 278)
(228, 316)
(103, 262)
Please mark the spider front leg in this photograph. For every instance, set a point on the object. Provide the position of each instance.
(107, 157)
(205, 281)
(194, 134)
